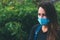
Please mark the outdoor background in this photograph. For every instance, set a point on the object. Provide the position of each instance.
(17, 17)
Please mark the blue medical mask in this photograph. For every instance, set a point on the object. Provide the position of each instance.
(43, 21)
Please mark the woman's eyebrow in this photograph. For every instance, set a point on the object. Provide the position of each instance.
(40, 13)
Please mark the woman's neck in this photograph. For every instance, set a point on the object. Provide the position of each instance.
(44, 28)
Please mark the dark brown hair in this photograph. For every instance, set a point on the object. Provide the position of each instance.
(52, 16)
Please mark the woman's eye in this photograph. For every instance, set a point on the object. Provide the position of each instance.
(43, 14)
(38, 14)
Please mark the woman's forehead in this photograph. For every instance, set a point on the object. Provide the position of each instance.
(41, 10)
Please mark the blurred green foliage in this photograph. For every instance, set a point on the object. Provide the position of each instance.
(17, 17)
(57, 6)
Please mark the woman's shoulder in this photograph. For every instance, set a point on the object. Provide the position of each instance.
(35, 26)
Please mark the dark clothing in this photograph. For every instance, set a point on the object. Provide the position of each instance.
(40, 35)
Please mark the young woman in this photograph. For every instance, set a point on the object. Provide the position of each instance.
(46, 29)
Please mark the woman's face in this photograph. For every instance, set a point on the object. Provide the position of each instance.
(41, 13)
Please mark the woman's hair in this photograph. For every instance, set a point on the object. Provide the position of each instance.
(52, 16)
